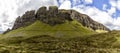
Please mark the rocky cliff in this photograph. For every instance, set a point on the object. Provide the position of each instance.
(54, 16)
(86, 21)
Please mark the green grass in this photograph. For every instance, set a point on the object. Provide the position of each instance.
(41, 37)
(97, 43)
(69, 37)
(65, 30)
(105, 40)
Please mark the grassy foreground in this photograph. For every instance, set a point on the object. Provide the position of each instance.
(99, 43)
(70, 37)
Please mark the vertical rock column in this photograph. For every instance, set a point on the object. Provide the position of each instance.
(41, 13)
(53, 11)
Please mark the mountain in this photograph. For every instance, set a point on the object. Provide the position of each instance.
(55, 22)
(55, 16)
(56, 30)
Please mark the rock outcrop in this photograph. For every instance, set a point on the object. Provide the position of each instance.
(86, 21)
(54, 16)
(27, 19)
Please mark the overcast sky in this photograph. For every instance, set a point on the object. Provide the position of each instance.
(106, 12)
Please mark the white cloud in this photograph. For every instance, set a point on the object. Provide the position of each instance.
(111, 11)
(61, 1)
(75, 2)
(101, 16)
(65, 5)
(115, 3)
(95, 14)
(104, 6)
(118, 4)
(117, 21)
(34, 4)
(88, 1)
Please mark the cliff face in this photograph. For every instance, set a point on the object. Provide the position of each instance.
(26, 19)
(86, 21)
(55, 16)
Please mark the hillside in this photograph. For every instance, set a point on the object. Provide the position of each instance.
(58, 31)
(54, 22)
(97, 43)
(55, 16)
(65, 30)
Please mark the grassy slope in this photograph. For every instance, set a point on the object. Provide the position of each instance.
(66, 30)
(98, 43)
(105, 40)
(33, 41)
(32, 36)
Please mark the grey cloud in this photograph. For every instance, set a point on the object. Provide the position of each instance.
(112, 26)
(0, 25)
(109, 24)
(4, 17)
(34, 5)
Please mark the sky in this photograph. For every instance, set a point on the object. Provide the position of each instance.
(106, 12)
